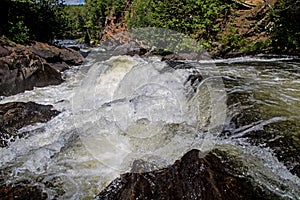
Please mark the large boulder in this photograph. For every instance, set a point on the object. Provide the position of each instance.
(131, 48)
(20, 73)
(53, 54)
(191, 177)
(37, 65)
(16, 115)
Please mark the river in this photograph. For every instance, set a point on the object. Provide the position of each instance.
(117, 109)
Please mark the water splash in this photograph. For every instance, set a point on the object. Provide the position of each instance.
(55, 155)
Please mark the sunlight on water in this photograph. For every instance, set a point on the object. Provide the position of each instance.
(116, 111)
(131, 103)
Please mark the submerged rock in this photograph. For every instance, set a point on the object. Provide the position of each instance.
(25, 67)
(279, 135)
(285, 143)
(16, 115)
(191, 177)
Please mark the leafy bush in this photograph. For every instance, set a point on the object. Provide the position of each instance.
(19, 32)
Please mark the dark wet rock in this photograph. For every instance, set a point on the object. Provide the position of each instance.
(74, 47)
(191, 177)
(24, 72)
(131, 48)
(84, 52)
(179, 64)
(59, 66)
(180, 56)
(296, 170)
(187, 56)
(16, 115)
(4, 51)
(21, 192)
(25, 67)
(53, 54)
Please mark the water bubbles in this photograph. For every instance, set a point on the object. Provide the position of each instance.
(129, 108)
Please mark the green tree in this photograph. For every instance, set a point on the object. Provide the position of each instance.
(286, 33)
(139, 15)
(25, 20)
(76, 16)
(98, 10)
(197, 18)
(96, 13)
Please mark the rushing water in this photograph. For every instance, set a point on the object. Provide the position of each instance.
(115, 110)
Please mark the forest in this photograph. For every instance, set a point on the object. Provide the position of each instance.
(215, 24)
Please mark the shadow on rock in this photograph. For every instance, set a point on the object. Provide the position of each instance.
(20, 192)
(191, 177)
(16, 115)
(37, 65)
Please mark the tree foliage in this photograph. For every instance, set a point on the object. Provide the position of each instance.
(44, 20)
(76, 16)
(90, 18)
(24, 20)
(286, 33)
(197, 18)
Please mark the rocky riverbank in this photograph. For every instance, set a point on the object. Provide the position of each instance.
(23, 67)
(16, 115)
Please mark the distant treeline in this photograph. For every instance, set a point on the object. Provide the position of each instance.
(23, 20)
(200, 19)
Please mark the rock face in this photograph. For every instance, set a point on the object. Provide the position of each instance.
(16, 115)
(131, 48)
(21, 193)
(53, 54)
(37, 65)
(191, 177)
